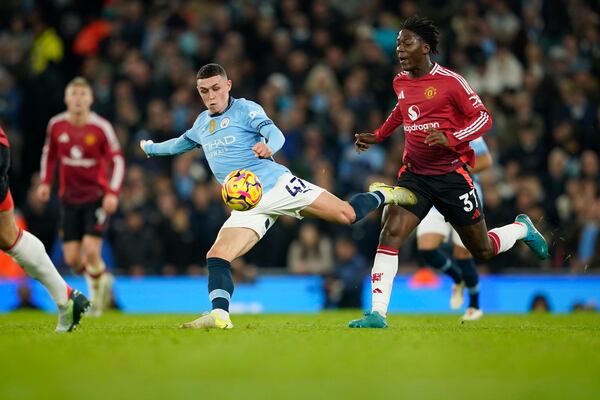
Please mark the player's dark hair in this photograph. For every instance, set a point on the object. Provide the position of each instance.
(210, 70)
(425, 28)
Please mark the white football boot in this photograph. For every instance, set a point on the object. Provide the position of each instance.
(472, 314)
(457, 297)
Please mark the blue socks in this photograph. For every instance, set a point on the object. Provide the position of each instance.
(458, 270)
(438, 260)
(364, 203)
(471, 277)
(220, 283)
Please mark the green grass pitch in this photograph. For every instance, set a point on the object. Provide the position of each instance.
(301, 357)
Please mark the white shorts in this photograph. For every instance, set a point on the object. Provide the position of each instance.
(289, 196)
(434, 222)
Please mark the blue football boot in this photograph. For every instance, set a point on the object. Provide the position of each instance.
(370, 320)
(533, 238)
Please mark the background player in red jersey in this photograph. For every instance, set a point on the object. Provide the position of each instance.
(440, 114)
(30, 253)
(91, 169)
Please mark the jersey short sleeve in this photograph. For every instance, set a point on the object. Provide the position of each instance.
(254, 115)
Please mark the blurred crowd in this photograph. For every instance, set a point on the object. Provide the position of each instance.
(323, 71)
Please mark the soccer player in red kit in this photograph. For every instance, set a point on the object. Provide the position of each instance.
(440, 114)
(30, 253)
(91, 170)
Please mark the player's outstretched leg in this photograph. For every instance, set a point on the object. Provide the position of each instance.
(29, 252)
(331, 208)
(501, 239)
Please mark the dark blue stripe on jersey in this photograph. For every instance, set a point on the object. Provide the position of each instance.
(193, 141)
(263, 124)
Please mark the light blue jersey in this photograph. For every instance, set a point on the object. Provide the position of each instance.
(479, 147)
(227, 140)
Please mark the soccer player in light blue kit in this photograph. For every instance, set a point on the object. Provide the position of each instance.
(434, 230)
(237, 134)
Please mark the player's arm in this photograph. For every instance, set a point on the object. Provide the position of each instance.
(261, 123)
(170, 147)
(482, 162)
(113, 156)
(275, 141)
(483, 157)
(477, 118)
(478, 121)
(48, 164)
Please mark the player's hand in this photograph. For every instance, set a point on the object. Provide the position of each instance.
(262, 150)
(43, 192)
(144, 143)
(110, 202)
(364, 141)
(436, 137)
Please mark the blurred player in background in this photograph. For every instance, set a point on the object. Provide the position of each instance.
(30, 253)
(237, 134)
(441, 115)
(91, 170)
(433, 231)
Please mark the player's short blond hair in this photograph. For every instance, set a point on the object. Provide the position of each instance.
(78, 81)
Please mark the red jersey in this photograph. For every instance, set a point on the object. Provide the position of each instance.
(89, 157)
(3, 138)
(442, 100)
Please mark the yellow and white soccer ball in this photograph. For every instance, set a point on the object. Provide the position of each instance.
(241, 190)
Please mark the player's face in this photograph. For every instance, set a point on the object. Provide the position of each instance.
(410, 49)
(215, 93)
(78, 99)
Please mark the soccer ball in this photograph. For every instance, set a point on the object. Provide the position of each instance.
(241, 190)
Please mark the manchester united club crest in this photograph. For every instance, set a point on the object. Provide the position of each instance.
(90, 139)
(212, 125)
(430, 92)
